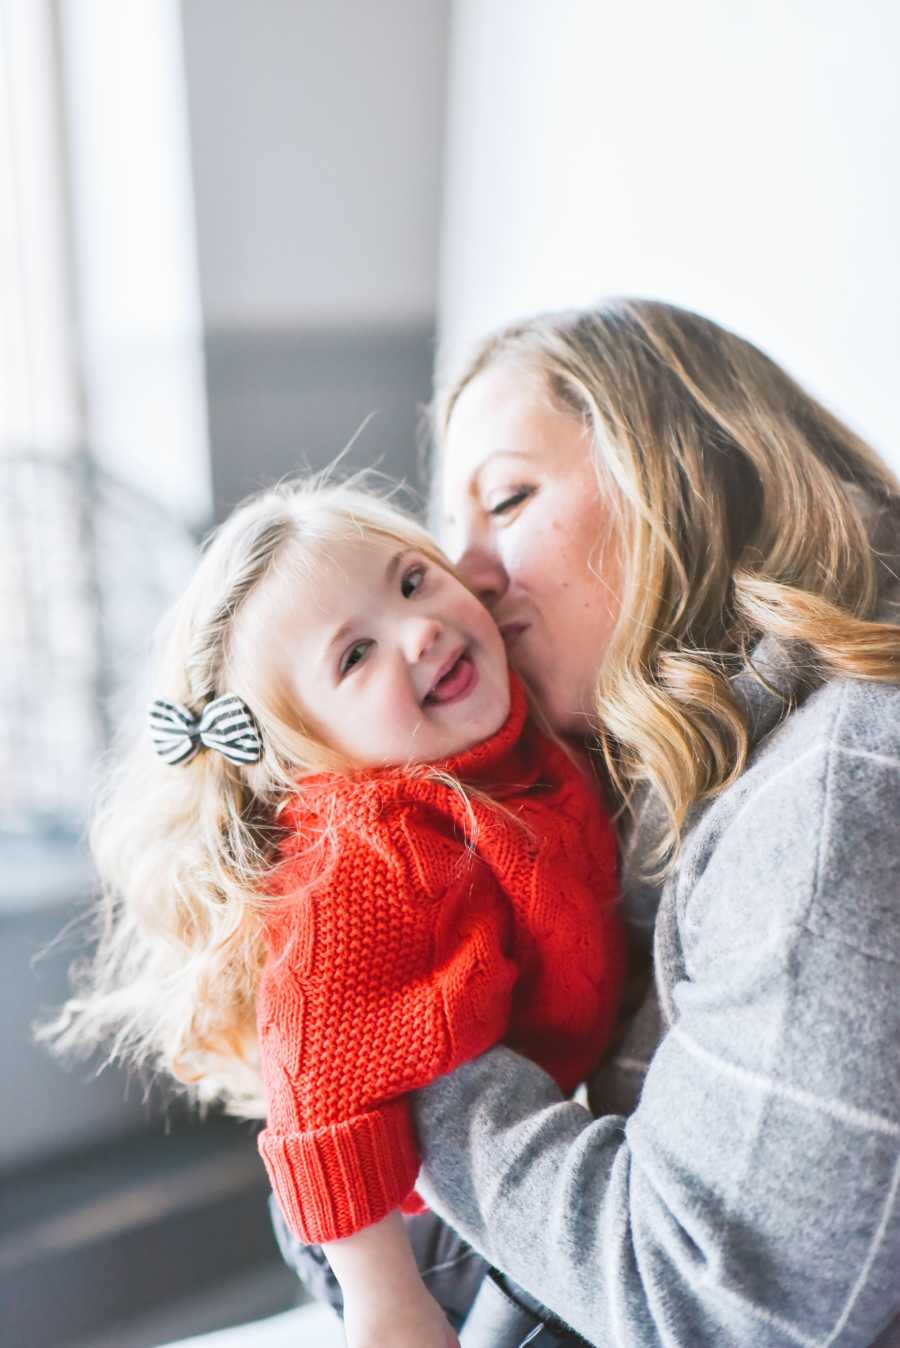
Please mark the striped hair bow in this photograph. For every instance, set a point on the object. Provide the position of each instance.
(225, 724)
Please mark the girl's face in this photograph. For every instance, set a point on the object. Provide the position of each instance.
(529, 530)
(389, 658)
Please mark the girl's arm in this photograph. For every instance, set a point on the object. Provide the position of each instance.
(373, 988)
(386, 1303)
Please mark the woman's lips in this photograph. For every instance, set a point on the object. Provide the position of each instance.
(457, 683)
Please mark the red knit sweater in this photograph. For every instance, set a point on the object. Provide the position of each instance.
(419, 953)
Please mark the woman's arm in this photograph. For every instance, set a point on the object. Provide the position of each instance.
(752, 1197)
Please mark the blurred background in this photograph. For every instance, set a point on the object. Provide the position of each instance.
(233, 233)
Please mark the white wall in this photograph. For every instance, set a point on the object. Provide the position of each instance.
(743, 160)
(316, 131)
(316, 135)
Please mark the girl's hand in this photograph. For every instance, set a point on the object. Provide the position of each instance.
(386, 1303)
(415, 1322)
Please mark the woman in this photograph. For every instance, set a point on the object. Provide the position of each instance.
(694, 564)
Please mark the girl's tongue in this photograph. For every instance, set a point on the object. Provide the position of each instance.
(456, 682)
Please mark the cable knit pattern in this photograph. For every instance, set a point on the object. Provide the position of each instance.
(419, 952)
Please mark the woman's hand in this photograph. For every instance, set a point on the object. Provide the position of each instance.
(416, 1321)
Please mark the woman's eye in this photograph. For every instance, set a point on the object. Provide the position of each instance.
(352, 656)
(412, 580)
(510, 502)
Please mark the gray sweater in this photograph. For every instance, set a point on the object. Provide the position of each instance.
(737, 1180)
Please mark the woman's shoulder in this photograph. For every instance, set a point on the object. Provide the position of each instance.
(842, 723)
(808, 837)
(865, 717)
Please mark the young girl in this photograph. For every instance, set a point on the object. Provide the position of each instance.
(341, 862)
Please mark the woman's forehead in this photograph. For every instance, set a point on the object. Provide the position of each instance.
(478, 439)
(503, 420)
(497, 399)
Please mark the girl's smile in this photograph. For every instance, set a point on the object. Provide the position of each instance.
(455, 681)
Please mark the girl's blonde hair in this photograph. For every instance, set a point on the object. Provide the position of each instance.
(740, 507)
(184, 853)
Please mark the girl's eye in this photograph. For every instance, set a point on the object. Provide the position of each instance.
(352, 656)
(510, 502)
(412, 581)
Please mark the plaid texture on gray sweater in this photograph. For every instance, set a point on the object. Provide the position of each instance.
(737, 1182)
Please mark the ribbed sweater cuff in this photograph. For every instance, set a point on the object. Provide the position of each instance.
(332, 1181)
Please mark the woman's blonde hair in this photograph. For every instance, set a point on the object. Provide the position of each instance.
(740, 507)
(184, 853)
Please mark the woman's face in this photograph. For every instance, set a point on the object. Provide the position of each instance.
(524, 519)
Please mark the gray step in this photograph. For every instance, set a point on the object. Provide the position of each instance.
(93, 1241)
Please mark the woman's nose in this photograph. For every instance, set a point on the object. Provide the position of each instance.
(483, 571)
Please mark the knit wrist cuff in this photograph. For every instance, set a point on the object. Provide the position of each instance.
(332, 1181)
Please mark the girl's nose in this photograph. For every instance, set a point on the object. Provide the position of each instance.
(421, 634)
(483, 570)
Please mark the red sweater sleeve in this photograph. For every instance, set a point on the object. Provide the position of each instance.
(389, 976)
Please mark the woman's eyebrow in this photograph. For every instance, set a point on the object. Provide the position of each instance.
(498, 454)
(475, 481)
(503, 454)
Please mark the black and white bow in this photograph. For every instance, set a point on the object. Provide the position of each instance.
(225, 724)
